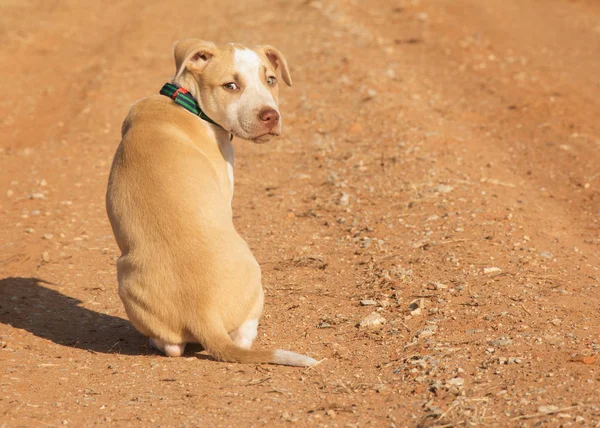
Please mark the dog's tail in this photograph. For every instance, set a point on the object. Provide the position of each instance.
(220, 346)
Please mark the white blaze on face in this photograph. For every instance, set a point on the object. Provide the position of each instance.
(255, 96)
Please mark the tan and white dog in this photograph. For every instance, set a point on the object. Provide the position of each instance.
(185, 274)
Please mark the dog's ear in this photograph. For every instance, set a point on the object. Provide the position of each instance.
(278, 60)
(193, 55)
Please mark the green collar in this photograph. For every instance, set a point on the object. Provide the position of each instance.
(182, 97)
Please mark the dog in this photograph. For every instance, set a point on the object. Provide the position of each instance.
(185, 275)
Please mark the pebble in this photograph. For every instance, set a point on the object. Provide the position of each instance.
(45, 257)
(9, 193)
(443, 188)
(511, 360)
(457, 381)
(367, 302)
(30, 230)
(371, 93)
(416, 306)
(548, 409)
(501, 342)
(37, 196)
(372, 320)
(546, 254)
(416, 312)
(344, 199)
(428, 331)
(47, 236)
(489, 270)
(556, 321)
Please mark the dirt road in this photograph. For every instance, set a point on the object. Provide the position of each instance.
(440, 161)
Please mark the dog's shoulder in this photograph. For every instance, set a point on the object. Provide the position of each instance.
(151, 111)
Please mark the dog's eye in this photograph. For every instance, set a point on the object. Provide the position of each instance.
(231, 86)
(271, 80)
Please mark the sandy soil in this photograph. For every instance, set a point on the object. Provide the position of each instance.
(439, 158)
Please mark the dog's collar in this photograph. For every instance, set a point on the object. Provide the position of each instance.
(183, 97)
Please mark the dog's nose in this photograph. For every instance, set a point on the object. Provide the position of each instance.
(269, 117)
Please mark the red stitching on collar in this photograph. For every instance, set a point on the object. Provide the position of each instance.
(179, 90)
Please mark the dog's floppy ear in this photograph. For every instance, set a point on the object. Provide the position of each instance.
(278, 60)
(192, 54)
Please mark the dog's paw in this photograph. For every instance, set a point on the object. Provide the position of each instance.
(169, 349)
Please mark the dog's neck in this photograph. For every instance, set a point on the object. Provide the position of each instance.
(216, 133)
(189, 83)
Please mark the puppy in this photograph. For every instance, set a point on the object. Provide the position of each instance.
(185, 274)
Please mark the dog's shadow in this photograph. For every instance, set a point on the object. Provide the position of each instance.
(31, 304)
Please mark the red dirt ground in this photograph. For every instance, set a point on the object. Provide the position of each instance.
(440, 158)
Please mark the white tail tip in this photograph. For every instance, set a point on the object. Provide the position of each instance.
(289, 358)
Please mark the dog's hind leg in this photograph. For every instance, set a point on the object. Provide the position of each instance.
(245, 334)
(169, 349)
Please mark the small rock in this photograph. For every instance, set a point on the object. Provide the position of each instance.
(428, 331)
(47, 236)
(9, 193)
(372, 320)
(324, 324)
(371, 93)
(344, 199)
(438, 286)
(443, 188)
(548, 409)
(45, 257)
(501, 342)
(416, 312)
(457, 381)
(37, 196)
(30, 230)
(367, 302)
(416, 306)
(366, 242)
(556, 321)
(546, 254)
(489, 270)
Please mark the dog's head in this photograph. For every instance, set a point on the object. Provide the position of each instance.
(236, 86)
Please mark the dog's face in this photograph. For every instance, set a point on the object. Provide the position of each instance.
(236, 86)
